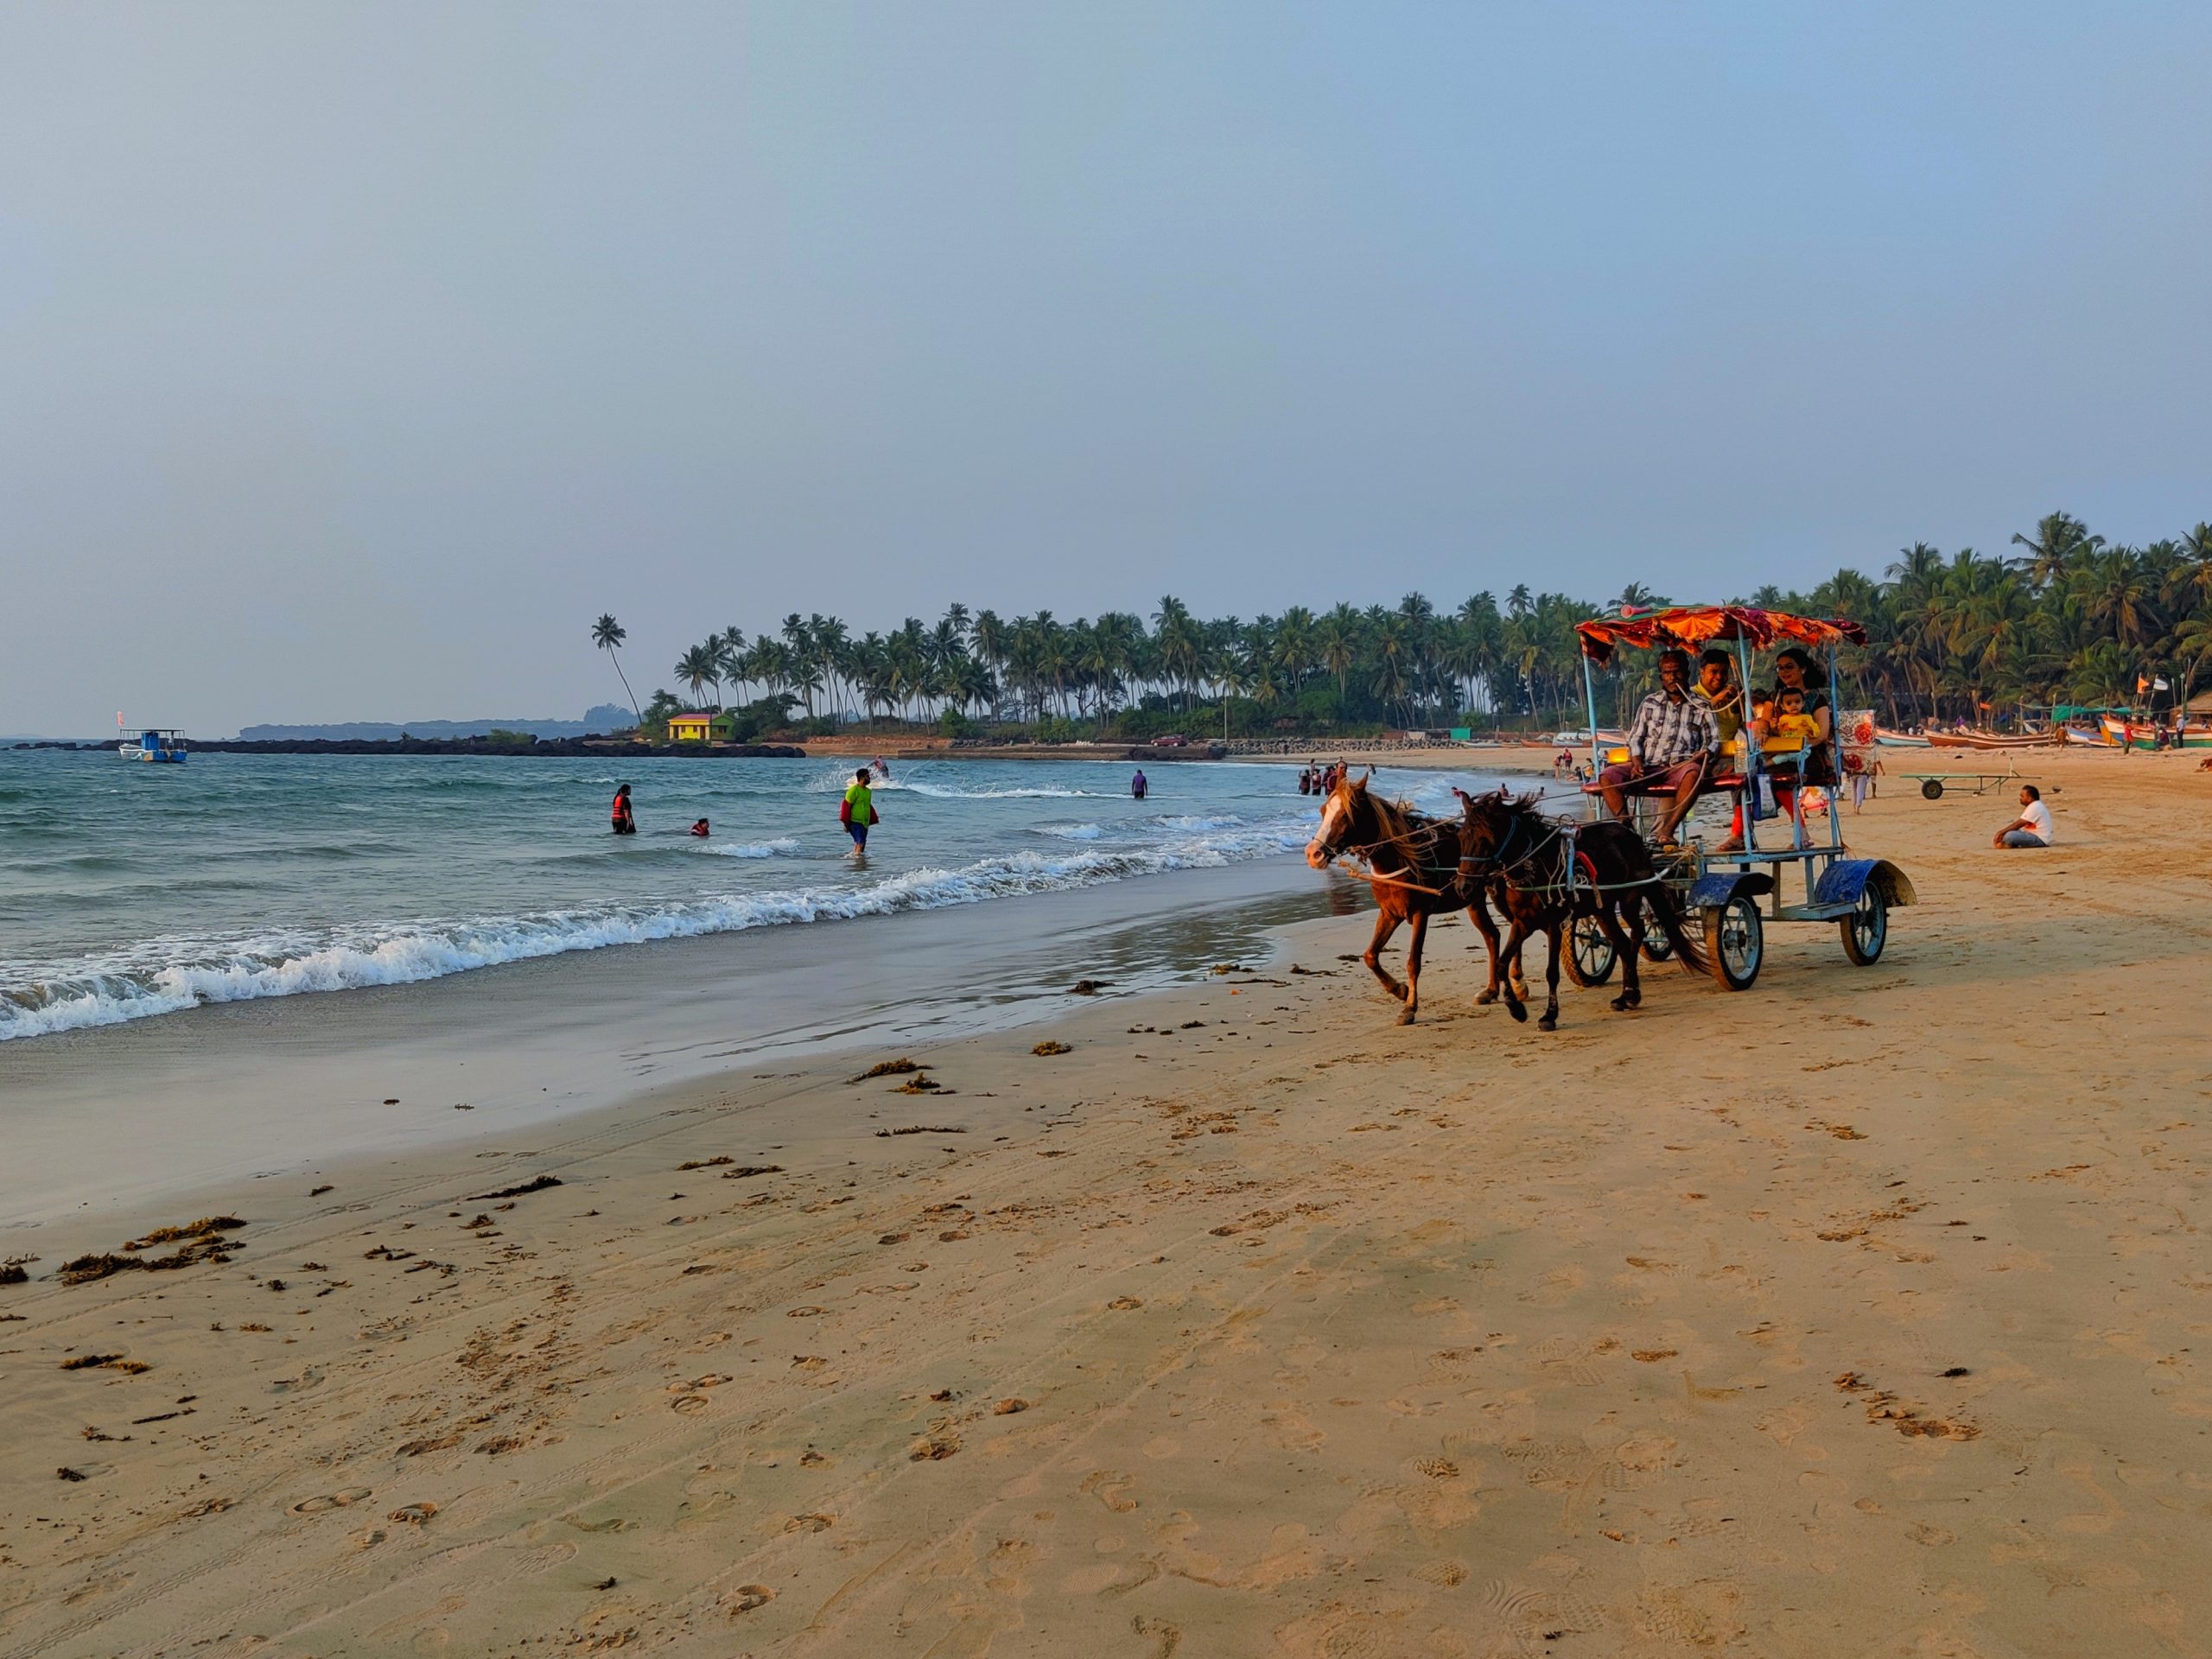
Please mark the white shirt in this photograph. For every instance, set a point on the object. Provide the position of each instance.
(2037, 817)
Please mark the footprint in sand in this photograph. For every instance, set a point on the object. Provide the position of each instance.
(1289, 1429)
(1111, 1488)
(747, 1597)
(351, 1496)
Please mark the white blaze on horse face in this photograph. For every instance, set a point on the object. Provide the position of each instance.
(1333, 817)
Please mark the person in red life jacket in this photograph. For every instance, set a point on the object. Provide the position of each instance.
(858, 812)
(624, 822)
(701, 830)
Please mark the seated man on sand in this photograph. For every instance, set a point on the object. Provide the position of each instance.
(1670, 744)
(2032, 827)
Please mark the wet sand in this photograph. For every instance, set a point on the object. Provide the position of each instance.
(1854, 1315)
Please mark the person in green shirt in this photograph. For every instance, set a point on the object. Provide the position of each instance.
(859, 812)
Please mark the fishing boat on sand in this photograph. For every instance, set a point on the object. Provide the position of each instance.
(1995, 741)
(2116, 733)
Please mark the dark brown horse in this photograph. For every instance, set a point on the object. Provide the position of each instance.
(1420, 869)
(1544, 874)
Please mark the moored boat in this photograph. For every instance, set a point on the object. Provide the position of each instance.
(162, 744)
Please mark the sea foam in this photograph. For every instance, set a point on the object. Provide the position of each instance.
(164, 975)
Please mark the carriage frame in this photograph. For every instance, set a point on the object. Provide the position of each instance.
(1734, 895)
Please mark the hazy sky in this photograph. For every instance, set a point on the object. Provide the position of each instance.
(353, 357)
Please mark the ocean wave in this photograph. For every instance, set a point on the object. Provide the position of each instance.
(166, 977)
(1199, 821)
(1069, 831)
(782, 846)
(1020, 793)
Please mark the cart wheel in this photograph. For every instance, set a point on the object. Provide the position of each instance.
(1866, 930)
(1590, 957)
(1657, 947)
(1932, 789)
(1735, 941)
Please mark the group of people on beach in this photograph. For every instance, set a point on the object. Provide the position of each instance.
(857, 813)
(1320, 780)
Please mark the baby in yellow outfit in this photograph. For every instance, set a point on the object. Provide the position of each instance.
(1790, 720)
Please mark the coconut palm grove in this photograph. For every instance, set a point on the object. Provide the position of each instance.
(2064, 617)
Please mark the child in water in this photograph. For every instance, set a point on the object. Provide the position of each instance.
(701, 830)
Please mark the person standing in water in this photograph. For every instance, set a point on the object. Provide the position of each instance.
(624, 822)
(1137, 786)
(859, 812)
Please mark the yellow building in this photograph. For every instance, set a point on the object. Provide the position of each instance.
(690, 728)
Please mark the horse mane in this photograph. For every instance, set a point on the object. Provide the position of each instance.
(1395, 817)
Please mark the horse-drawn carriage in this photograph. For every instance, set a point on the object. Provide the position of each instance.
(1723, 887)
(1604, 891)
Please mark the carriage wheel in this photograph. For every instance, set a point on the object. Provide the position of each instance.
(1657, 947)
(1735, 943)
(1590, 957)
(1932, 789)
(1866, 930)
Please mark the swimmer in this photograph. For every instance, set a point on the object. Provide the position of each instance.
(701, 830)
(623, 821)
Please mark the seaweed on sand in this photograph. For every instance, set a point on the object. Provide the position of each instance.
(898, 1068)
(537, 1185)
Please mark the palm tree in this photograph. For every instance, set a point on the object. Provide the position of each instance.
(729, 653)
(606, 633)
(1337, 644)
(696, 668)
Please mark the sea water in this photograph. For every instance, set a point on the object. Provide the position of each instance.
(131, 891)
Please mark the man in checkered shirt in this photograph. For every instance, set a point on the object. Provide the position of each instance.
(1670, 744)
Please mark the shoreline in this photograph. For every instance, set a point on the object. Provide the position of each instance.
(189, 1101)
(1857, 1311)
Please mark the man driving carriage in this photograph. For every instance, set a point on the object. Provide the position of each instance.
(1670, 745)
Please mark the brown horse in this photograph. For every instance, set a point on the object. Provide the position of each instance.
(1544, 874)
(1421, 869)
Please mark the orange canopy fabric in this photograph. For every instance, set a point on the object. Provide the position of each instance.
(1692, 625)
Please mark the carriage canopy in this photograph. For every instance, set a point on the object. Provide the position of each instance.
(1691, 626)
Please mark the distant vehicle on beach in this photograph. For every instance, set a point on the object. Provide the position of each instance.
(164, 745)
(1172, 740)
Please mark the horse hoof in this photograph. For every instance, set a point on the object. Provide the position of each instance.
(1406, 1018)
(1483, 999)
(1519, 1014)
(1549, 1022)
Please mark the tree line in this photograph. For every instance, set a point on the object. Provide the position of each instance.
(2069, 618)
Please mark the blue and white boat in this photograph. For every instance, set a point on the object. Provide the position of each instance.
(163, 745)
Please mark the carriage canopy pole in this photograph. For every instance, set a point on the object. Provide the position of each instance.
(1748, 800)
(1590, 705)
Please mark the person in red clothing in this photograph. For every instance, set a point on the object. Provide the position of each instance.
(623, 821)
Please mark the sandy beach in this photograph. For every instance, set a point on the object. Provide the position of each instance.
(1852, 1316)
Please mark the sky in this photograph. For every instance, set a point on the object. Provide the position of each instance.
(354, 358)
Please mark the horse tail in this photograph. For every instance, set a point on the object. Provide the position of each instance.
(1688, 950)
